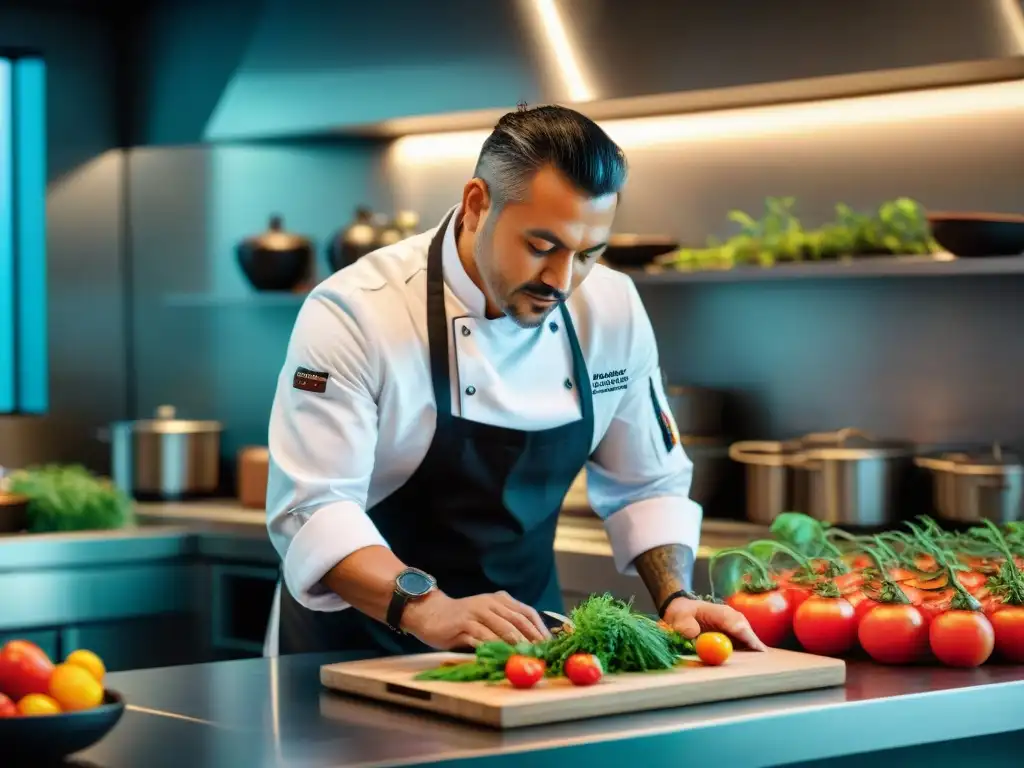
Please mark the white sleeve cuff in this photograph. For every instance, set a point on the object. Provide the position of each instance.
(650, 523)
(331, 534)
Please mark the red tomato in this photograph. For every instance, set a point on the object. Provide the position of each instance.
(583, 669)
(862, 604)
(1008, 624)
(934, 606)
(860, 562)
(894, 634)
(524, 671)
(7, 707)
(972, 581)
(826, 626)
(848, 582)
(769, 613)
(24, 669)
(962, 638)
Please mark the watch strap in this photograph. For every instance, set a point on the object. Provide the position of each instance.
(668, 600)
(395, 610)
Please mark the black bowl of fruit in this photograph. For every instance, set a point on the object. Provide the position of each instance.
(48, 711)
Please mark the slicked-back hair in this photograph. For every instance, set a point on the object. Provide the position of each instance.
(526, 140)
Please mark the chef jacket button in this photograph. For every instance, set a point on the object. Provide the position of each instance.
(568, 383)
(470, 390)
(553, 326)
(465, 331)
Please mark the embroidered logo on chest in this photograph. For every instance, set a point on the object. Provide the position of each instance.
(609, 381)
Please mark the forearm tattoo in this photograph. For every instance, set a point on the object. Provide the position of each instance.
(665, 570)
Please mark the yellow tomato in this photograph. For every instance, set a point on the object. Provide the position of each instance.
(713, 648)
(88, 661)
(38, 704)
(74, 688)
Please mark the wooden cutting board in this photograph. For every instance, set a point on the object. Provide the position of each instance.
(745, 675)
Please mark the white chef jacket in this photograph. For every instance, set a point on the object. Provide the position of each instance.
(334, 454)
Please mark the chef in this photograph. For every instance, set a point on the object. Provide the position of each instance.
(439, 397)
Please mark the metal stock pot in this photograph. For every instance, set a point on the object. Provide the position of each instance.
(971, 487)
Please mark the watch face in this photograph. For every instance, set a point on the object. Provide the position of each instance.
(414, 583)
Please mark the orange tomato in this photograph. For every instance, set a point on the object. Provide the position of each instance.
(88, 661)
(38, 704)
(713, 648)
(74, 688)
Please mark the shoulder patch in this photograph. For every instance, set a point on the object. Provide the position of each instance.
(310, 381)
(669, 435)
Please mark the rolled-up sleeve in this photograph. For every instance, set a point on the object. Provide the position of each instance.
(638, 479)
(322, 450)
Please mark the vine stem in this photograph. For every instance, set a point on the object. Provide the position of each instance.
(765, 582)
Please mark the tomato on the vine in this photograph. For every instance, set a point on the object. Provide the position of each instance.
(962, 638)
(893, 633)
(1008, 624)
(769, 613)
(826, 626)
(862, 604)
(524, 671)
(583, 669)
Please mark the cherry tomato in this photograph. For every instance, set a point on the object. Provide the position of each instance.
(769, 613)
(38, 704)
(583, 669)
(1008, 624)
(713, 648)
(7, 707)
(826, 626)
(24, 669)
(894, 634)
(972, 581)
(961, 638)
(75, 688)
(848, 582)
(88, 661)
(520, 671)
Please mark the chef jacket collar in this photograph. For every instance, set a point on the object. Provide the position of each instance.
(460, 283)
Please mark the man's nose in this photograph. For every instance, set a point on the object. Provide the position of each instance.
(557, 272)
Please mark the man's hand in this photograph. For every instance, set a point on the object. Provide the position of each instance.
(445, 623)
(691, 617)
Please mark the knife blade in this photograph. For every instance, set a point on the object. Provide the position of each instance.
(560, 618)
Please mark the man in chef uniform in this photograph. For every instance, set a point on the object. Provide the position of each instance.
(439, 397)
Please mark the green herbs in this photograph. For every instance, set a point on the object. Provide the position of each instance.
(624, 641)
(897, 227)
(70, 498)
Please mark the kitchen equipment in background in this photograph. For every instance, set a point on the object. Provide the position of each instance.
(769, 479)
(697, 411)
(253, 466)
(628, 250)
(979, 234)
(408, 223)
(849, 478)
(276, 260)
(969, 487)
(354, 241)
(166, 458)
(388, 232)
(13, 512)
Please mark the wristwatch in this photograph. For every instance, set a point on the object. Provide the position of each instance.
(410, 584)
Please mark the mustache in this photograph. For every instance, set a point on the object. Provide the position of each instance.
(542, 291)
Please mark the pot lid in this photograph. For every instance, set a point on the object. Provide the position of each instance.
(995, 461)
(850, 443)
(277, 239)
(165, 422)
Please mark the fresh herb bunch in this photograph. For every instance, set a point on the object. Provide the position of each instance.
(70, 498)
(608, 628)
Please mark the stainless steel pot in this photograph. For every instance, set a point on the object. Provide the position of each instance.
(849, 478)
(971, 487)
(166, 458)
(769, 478)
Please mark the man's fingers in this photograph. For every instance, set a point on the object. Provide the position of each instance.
(479, 632)
(686, 626)
(522, 623)
(735, 624)
(501, 626)
(527, 611)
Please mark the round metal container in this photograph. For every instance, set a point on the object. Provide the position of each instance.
(969, 488)
(769, 480)
(166, 458)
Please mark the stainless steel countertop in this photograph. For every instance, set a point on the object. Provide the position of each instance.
(265, 712)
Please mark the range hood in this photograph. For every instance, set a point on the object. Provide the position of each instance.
(398, 66)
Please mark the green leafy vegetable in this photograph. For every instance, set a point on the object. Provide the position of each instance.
(70, 498)
(624, 641)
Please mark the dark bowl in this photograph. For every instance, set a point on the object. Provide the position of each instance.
(42, 739)
(978, 234)
(636, 250)
(269, 270)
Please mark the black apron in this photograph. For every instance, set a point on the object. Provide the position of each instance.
(480, 512)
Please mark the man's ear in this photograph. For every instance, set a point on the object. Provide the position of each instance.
(476, 201)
